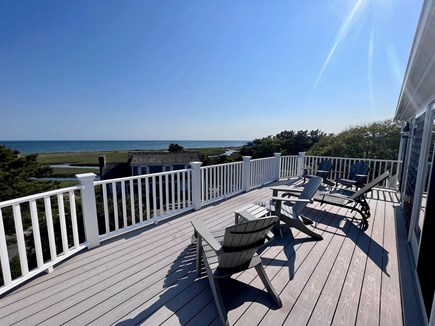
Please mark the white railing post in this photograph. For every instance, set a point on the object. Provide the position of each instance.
(89, 208)
(277, 166)
(196, 184)
(301, 164)
(246, 173)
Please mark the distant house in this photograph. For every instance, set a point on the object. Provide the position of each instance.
(114, 171)
(146, 163)
(155, 162)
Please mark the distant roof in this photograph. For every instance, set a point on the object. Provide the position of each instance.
(418, 88)
(140, 158)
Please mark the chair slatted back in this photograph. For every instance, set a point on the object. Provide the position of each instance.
(242, 240)
(359, 168)
(370, 185)
(324, 169)
(309, 190)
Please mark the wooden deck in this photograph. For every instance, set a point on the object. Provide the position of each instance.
(148, 276)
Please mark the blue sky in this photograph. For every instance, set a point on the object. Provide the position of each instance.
(201, 70)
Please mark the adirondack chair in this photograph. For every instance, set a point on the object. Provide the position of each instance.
(357, 177)
(290, 211)
(323, 170)
(230, 251)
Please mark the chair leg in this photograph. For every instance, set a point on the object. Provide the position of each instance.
(297, 224)
(306, 220)
(198, 255)
(193, 237)
(218, 300)
(263, 276)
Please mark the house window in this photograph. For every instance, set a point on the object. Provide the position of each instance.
(155, 169)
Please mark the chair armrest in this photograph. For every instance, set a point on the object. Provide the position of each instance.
(203, 232)
(292, 191)
(246, 216)
(292, 199)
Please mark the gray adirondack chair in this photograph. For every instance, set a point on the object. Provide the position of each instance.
(230, 251)
(289, 209)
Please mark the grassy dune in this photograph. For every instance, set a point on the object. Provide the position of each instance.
(71, 172)
(81, 158)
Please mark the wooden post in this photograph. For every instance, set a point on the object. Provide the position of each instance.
(301, 164)
(246, 173)
(89, 209)
(277, 166)
(196, 185)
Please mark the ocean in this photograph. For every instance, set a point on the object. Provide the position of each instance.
(59, 146)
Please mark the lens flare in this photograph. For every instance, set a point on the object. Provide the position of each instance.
(339, 37)
(370, 71)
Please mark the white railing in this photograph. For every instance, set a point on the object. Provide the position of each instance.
(220, 181)
(46, 232)
(51, 226)
(132, 202)
(289, 166)
(262, 171)
(341, 167)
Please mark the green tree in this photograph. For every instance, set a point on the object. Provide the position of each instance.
(286, 142)
(17, 179)
(174, 148)
(18, 173)
(378, 140)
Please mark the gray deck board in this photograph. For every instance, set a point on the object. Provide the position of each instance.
(347, 306)
(324, 310)
(148, 276)
(390, 300)
(369, 304)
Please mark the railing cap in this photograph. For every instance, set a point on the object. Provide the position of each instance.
(85, 176)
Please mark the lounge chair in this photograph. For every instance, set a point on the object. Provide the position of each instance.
(323, 170)
(357, 177)
(290, 211)
(233, 250)
(355, 200)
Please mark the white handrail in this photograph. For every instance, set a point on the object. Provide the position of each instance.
(220, 181)
(341, 167)
(289, 166)
(27, 213)
(37, 196)
(262, 171)
(133, 202)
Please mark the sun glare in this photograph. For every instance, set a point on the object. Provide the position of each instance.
(370, 70)
(360, 6)
(344, 29)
